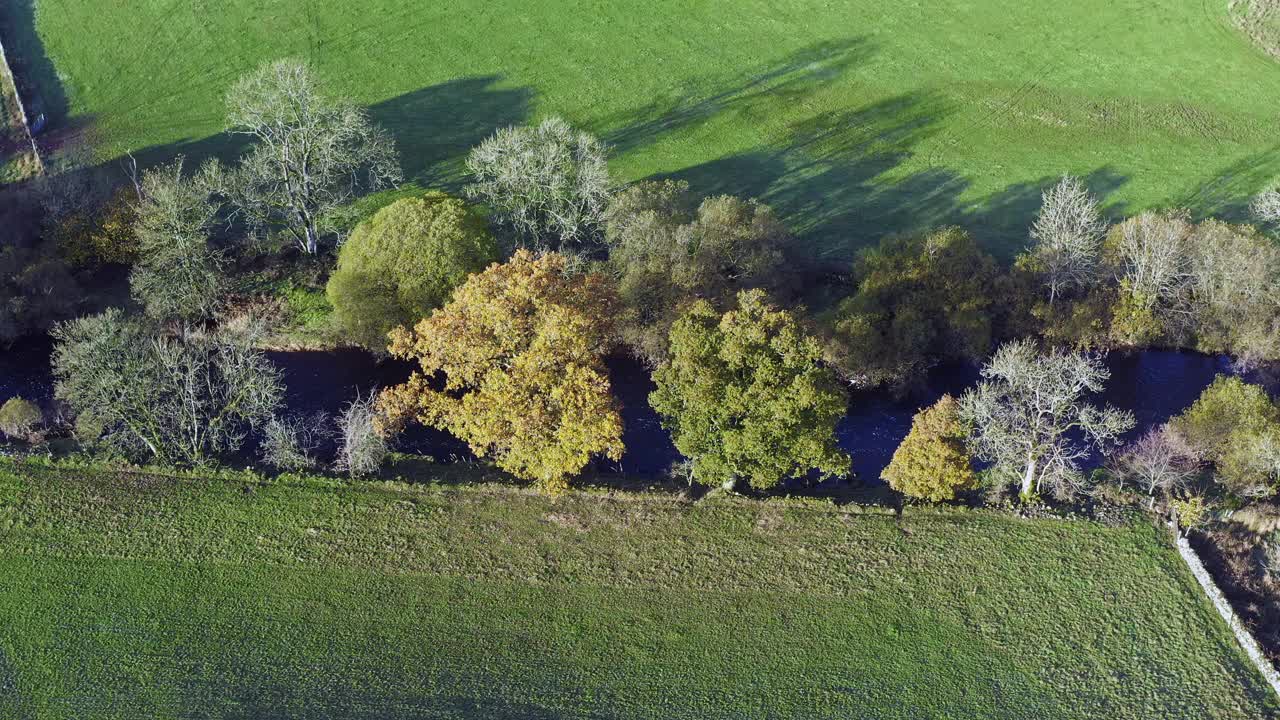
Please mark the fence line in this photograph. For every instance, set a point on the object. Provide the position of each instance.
(7, 71)
(1219, 600)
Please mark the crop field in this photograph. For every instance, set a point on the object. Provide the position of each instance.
(129, 595)
(854, 118)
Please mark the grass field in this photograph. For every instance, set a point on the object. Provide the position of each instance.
(147, 596)
(854, 118)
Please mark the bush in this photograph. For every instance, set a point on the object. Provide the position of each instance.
(361, 450)
(404, 262)
(19, 418)
(100, 236)
(291, 443)
(932, 462)
(1235, 426)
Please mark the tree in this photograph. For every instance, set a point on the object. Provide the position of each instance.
(920, 299)
(666, 250)
(404, 262)
(37, 288)
(1234, 298)
(548, 185)
(1160, 462)
(311, 153)
(932, 462)
(1234, 425)
(521, 349)
(1067, 238)
(178, 275)
(745, 396)
(1028, 416)
(290, 443)
(19, 418)
(1151, 253)
(147, 395)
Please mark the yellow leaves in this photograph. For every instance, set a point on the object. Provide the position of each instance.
(520, 348)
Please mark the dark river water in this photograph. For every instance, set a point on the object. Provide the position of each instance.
(1154, 385)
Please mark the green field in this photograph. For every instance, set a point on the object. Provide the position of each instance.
(854, 118)
(147, 596)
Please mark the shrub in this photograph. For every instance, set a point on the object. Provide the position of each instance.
(404, 262)
(291, 443)
(932, 462)
(19, 418)
(361, 449)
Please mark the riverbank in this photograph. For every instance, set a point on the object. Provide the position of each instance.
(236, 593)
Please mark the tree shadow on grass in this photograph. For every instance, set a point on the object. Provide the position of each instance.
(36, 77)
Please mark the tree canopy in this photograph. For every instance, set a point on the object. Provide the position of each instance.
(520, 348)
(1236, 426)
(919, 299)
(932, 462)
(404, 262)
(746, 397)
(666, 250)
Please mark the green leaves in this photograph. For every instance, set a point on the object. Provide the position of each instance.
(745, 397)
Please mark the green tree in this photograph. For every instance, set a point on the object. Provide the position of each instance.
(746, 397)
(404, 262)
(1234, 425)
(932, 462)
(667, 250)
(919, 300)
(521, 348)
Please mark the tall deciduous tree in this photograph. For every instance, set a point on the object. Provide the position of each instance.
(1151, 253)
(1067, 238)
(746, 397)
(404, 262)
(920, 299)
(666, 250)
(933, 462)
(178, 274)
(548, 185)
(311, 153)
(173, 400)
(1029, 418)
(521, 350)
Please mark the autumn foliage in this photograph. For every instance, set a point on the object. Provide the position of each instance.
(514, 367)
(932, 462)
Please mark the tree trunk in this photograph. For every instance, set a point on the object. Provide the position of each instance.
(1028, 480)
(313, 245)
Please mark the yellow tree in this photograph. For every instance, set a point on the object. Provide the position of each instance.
(521, 350)
(932, 462)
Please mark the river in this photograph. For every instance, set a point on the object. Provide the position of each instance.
(1153, 384)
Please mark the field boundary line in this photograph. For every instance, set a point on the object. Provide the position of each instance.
(12, 81)
(1219, 600)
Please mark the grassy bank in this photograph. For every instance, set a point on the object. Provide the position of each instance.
(854, 118)
(136, 595)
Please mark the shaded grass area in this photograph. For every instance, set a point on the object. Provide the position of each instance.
(854, 118)
(143, 595)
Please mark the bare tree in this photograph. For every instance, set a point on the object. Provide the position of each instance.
(177, 400)
(178, 275)
(549, 184)
(1154, 256)
(1067, 237)
(361, 450)
(1028, 416)
(1266, 206)
(1160, 462)
(291, 443)
(1235, 291)
(311, 153)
